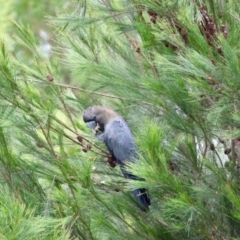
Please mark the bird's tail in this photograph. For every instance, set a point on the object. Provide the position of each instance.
(141, 195)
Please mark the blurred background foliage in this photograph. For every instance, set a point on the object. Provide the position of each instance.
(171, 68)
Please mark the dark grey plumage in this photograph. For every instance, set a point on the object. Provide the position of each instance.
(120, 142)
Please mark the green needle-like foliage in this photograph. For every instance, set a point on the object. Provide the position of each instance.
(171, 69)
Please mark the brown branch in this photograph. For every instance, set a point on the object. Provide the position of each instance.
(64, 125)
(77, 142)
(66, 109)
(47, 137)
(117, 215)
(133, 44)
(92, 92)
(76, 88)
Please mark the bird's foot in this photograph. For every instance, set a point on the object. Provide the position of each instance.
(97, 129)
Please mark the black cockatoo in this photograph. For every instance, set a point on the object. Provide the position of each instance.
(120, 142)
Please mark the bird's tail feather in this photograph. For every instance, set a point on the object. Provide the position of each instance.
(141, 195)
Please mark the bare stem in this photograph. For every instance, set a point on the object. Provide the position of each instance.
(75, 141)
(92, 92)
(64, 125)
(133, 44)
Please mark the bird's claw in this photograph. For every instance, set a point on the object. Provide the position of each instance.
(97, 129)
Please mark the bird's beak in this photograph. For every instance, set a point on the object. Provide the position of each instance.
(91, 124)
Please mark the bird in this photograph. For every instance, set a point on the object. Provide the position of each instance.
(119, 140)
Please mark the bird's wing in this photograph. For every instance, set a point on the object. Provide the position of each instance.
(119, 140)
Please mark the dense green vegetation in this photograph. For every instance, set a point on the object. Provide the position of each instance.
(171, 68)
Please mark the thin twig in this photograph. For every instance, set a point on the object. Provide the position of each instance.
(75, 141)
(76, 88)
(220, 160)
(46, 135)
(117, 215)
(47, 138)
(133, 44)
(64, 125)
(92, 92)
(66, 109)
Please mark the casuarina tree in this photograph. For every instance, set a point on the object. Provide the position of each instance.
(171, 70)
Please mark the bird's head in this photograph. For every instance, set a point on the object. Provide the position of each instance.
(98, 116)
